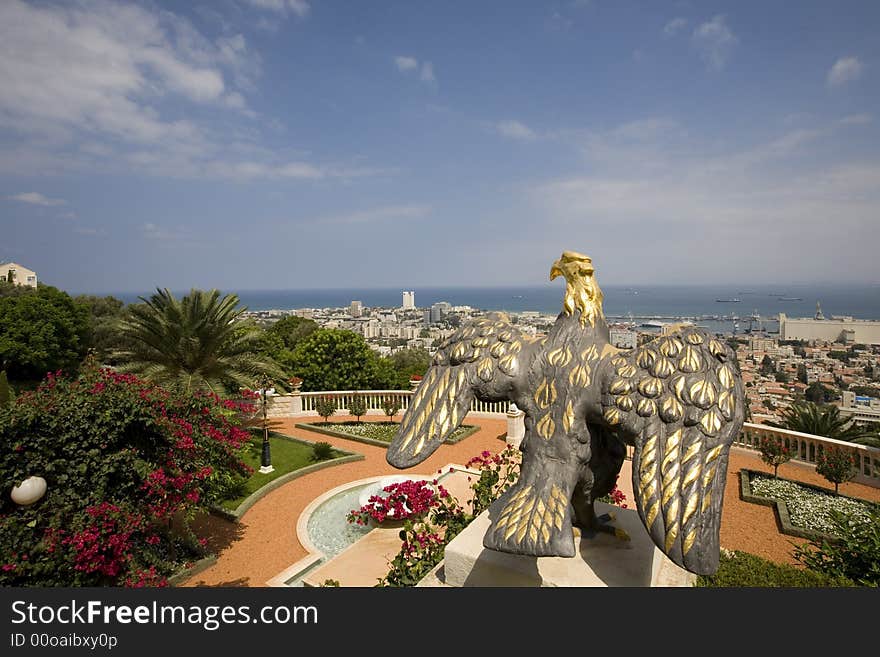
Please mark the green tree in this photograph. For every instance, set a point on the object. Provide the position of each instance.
(325, 406)
(837, 465)
(391, 405)
(774, 453)
(768, 367)
(357, 406)
(41, 330)
(820, 421)
(408, 362)
(818, 393)
(781, 377)
(104, 314)
(6, 393)
(291, 330)
(802, 373)
(335, 359)
(194, 343)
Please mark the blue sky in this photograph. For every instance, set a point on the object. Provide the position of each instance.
(254, 144)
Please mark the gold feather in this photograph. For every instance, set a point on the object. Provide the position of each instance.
(688, 541)
(727, 404)
(646, 408)
(612, 416)
(651, 515)
(662, 367)
(646, 358)
(546, 427)
(671, 410)
(670, 347)
(710, 423)
(703, 393)
(482, 341)
(568, 417)
(580, 376)
(725, 376)
(484, 369)
(498, 349)
(627, 371)
(716, 348)
(690, 361)
(694, 338)
(620, 386)
(624, 403)
(559, 357)
(650, 386)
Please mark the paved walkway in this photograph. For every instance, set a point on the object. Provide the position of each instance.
(264, 543)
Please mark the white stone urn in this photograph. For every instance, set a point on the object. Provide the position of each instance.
(29, 491)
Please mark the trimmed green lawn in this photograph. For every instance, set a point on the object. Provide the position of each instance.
(287, 456)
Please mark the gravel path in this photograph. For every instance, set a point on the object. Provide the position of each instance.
(264, 543)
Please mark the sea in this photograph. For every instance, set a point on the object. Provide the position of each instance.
(717, 308)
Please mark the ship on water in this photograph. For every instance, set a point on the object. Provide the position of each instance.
(733, 300)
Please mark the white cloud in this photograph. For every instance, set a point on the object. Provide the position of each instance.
(856, 119)
(646, 128)
(35, 198)
(406, 63)
(769, 204)
(380, 214)
(98, 85)
(427, 74)
(674, 26)
(845, 69)
(715, 42)
(515, 130)
(101, 67)
(85, 230)
(299, 7)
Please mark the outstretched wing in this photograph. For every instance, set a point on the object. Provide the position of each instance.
(679, 399)
(486, 358)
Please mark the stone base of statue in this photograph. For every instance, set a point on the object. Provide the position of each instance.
(602, 560)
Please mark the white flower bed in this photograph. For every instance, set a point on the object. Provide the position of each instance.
(376, 430)
(808, 508)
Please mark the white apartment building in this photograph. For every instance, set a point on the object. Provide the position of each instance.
(409, 300)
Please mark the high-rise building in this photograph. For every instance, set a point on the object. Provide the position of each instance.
(439, 311)
(409, 300)
(356, 309)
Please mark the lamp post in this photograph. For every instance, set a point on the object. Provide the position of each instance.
(266, 457)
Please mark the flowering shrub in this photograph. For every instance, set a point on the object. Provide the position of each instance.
(774, 452)
(615, 497)
(424, 543)
(406, 499)
(498, 472)
(123, 459)
(836, 465)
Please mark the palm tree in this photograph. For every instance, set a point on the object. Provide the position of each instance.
(821, 421)
(197, 343)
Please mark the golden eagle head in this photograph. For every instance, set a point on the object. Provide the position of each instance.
(581, 292)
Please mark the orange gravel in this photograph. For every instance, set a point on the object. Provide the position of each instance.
(264, 542)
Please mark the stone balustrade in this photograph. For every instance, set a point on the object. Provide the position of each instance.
(804, 447)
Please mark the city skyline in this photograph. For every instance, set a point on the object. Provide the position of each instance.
(246, 144)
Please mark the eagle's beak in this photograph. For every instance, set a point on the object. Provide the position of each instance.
(555, 270)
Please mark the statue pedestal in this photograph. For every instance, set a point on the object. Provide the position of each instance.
(602, 560)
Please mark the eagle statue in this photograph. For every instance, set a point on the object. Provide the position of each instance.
(678, 400)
